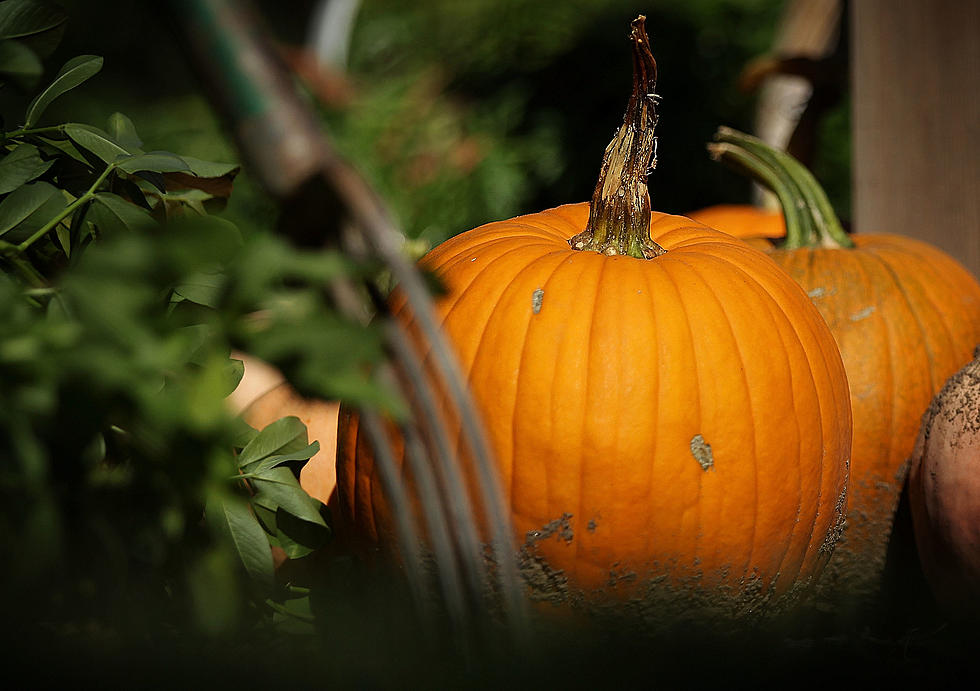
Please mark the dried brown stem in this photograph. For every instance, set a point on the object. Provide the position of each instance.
(619, 220)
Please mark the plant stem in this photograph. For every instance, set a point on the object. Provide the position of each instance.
(619, 219)
(285, 612)
(40, 292)
(799, 224)
(68, 210)
(26, 270)
(34, 130)
(827, 228)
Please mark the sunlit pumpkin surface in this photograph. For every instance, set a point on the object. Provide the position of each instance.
(905, 316)
(682, 417)
(743, 221)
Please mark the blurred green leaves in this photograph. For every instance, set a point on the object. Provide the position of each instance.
(130, 494)
(29, 31)
(110, 356)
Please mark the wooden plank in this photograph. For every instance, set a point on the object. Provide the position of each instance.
(916, 121)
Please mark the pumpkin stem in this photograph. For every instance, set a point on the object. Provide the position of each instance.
(619, 219)
(800, 230)
(810, 218)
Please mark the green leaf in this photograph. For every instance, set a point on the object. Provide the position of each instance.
(233, 520)
(243, 433)
(20, 18)
(235, 370)
(157, 180)
(206, 393)
(130, 191)
(122, 130)
(298, 537)
(23, 202)
(63, 147)
(215, 179)
(190, 198)
(73, 73)
(209, 169)
(202, 288)
(267, 519)
(95, 140)
(155, 161)
(38, 26)
(112, 213)
(294, 617)
(282, 436)
(51, 208)
(278, 489)
(20, 63)
(215, 592)
(64, 238)
(21, 165)
(269, 462)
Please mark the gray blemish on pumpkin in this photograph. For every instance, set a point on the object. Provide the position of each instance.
(544, 582)
(817, 293)
(837, 528)
(701, 450)
(592, 525)
(562, 527)
(863, 314)
(537, 297)
(658, 596)
(618, 575)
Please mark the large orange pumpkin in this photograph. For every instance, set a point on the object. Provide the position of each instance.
(905, 316)
(666, 407)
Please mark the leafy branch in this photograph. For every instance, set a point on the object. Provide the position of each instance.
(121, 297)
(66, 184)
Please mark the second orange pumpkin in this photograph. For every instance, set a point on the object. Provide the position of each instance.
(905, 316)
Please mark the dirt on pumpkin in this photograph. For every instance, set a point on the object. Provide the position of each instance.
(653, 599)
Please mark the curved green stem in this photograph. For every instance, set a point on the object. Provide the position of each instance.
(275, 606)
(619, 218)
(828, 230)
(800, 228)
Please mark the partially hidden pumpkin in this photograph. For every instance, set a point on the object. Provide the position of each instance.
(318, 476)
(944, 493)
(905, 316)
(754, 224)
(666, 406)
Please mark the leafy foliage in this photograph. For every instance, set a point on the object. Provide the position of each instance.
(130, 494)
(29, 31)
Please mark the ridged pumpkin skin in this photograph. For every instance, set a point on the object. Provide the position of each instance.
(603, 380)
(905, 316)
(944, 493)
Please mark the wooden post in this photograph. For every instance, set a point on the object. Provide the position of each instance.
(916, 120)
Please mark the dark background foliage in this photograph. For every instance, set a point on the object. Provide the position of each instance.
(466, 112)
